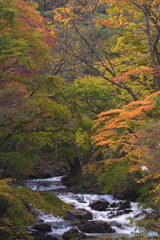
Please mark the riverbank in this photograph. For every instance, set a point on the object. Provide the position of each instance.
(112, 214)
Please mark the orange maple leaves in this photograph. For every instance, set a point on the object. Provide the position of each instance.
(113, 127)
(126, 128)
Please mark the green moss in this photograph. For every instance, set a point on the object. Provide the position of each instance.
(115, 173)
(146, 195)
(21, 203)
(57, 206)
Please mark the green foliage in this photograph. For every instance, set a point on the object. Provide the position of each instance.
(103, 62)
(102, 238)
(41, 5)
(22, 205)
(18, 164)
(146, 195)
(6, 15)
(112, 179)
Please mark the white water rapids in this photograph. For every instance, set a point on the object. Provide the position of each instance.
(121, 224)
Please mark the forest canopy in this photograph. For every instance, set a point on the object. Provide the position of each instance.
(80, 89)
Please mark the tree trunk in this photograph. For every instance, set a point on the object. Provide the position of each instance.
(75, 146)
(151, 49)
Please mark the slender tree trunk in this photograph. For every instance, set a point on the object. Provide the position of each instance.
(92, 153)
(75, 146)
(151, 50)
(56, 150)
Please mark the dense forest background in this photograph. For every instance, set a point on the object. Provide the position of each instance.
(80, 90)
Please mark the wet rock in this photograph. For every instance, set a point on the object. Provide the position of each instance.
(99, 205)
(119, 213)
(124, 205)
(113, 205)
(121, 205)
(143, 213)
(96, 227)
(69, 216)
(127, 211)
(73, 234)
(115, 224)
(42, 227)
(79, 199)
(81, 213)
(147, 215)
(40, 236)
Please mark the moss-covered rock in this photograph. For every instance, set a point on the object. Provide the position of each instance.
(19, 203)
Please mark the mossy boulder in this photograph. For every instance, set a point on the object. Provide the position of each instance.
(16, 209)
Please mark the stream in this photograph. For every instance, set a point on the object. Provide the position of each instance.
(121, 223)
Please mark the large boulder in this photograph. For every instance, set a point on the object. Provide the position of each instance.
(42, 227)
(69, 216)
(99, 205)
(97, 226)
(73, 234)
(79, 213)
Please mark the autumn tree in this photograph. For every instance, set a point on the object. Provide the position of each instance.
(69, 133)
(27, 43)
(141, 22)
(130, 131)
(99, 43)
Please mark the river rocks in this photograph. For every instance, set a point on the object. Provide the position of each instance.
(119, 213)
(96, 227)
(127, 211)
(115, 224)
(69, 216)
(79, 213)
(79, 219)
(124, 205)
(119, 208)
(99, 205)
(73, 234)
(113, 205)
(42, 227)
(121, 205)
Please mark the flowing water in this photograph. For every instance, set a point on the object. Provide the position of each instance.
(121, 224)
